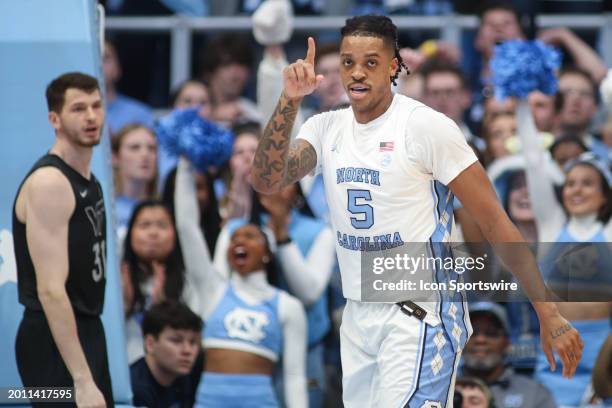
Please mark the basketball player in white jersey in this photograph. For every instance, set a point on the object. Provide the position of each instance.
(387, 161)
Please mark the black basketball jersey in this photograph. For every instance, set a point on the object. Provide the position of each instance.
(86, 245)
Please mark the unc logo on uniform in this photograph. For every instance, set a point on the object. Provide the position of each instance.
(246, 324)
(431, 404)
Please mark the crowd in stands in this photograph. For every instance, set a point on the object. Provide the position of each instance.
(224, 287)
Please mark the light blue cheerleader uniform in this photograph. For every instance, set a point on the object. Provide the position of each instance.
(242, 313)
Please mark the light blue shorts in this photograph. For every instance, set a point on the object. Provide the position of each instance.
(235, 391)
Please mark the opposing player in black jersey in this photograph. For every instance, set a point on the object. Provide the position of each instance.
(59, 230)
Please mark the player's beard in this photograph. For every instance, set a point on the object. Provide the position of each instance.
(78, 138)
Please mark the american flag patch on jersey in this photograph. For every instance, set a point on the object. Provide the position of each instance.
(386, 147)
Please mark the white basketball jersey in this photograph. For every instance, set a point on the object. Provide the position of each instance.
(380, 178)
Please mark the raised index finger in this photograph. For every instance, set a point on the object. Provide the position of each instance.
(310, 54)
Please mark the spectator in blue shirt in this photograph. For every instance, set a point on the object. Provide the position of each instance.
(121, 110)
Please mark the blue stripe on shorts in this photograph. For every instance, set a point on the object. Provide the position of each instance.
(437, 368)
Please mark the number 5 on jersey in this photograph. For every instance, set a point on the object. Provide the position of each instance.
(364, 213)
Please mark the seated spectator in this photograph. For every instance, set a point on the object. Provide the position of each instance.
(172, 336)
(484, 356)
(192, 94)
(498, 131)
(121, 110)
(235, 188)
(151, 268)
(579, 108)
(210, 220)
(240, 358)
(135, 166)
(446, 90)
(499, 21)
(493, 106)
(226, 68)
(566, 149)
(543, 110)
(330, 93)
(474, 393)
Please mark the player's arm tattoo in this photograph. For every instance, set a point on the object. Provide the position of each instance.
(277, 162)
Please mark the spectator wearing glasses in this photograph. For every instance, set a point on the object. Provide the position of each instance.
(484, 358)
(579, 108)
(445, 90)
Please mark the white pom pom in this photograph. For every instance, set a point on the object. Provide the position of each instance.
(273, 22)
(606, 90)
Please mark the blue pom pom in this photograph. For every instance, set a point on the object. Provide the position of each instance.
(185, 133)
(520, 67)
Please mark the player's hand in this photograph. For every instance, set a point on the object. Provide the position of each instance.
(557, 334)
(299, 78)
(87, 395)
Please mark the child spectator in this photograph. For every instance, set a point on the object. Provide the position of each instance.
(151, 269)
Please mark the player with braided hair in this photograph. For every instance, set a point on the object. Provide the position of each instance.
(390, 167)
(377, 26)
